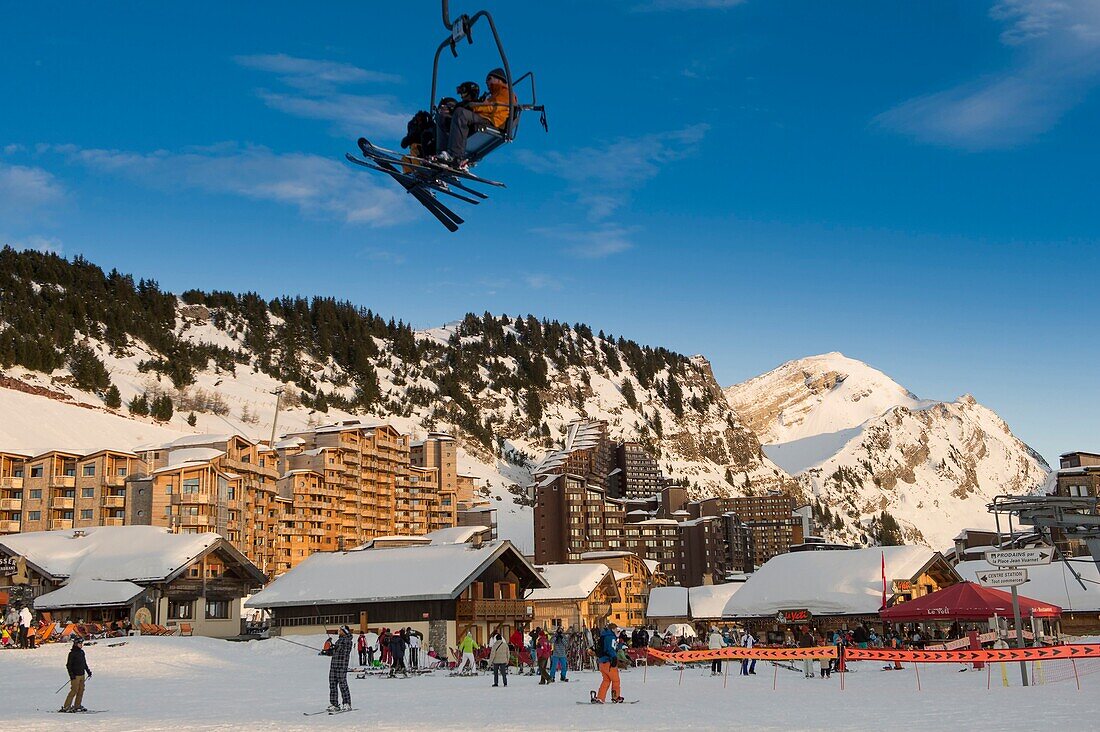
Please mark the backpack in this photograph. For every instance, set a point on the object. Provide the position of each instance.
(597, 645)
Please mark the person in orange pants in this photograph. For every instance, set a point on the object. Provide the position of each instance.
(609, 669)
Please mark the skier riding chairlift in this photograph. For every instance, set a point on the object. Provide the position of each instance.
(484, 124)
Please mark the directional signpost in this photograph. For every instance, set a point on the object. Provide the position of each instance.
(1003, 577)
(1012, 575)
(1020, 557)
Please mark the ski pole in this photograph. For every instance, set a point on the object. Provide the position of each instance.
(62, 687)
(303, 645)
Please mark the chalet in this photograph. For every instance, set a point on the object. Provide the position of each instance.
(836, 589)
(441, 590)
(579, 596)
(144, 573)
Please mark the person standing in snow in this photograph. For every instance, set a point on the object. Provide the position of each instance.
(609, 669)
(413, 639)
(397, 653)
(26, 620)
(77, 666)
(806, 640)
(559, 654)
(747, 641)
(338, 671)
(543, 650)
(467, 646)
(361, 646)
(498, 659)
(715, 642)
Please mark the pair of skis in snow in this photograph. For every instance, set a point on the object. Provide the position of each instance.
(325, 711)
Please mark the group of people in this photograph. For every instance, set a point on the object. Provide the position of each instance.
(717, 640)
(442, 138)
(19, 629)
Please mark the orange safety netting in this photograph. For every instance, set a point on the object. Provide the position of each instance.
(1041, 653)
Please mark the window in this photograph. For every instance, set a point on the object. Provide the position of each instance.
(217, 609)
(168, 488)
(181, 609)
(86, 514)
(87, 492)
(121, 472)
(34, 515)
(36, 471)
(191, 485)
(36, 494)
(88, 470)
(66, 515)
(167, 510)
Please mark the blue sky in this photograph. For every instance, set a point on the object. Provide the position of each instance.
(913, 184)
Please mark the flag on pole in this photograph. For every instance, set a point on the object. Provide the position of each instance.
(883, 607)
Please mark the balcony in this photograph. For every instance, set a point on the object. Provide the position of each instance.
(56, 524)
(115, 481)
(11, 482)
(195, 520)
(114, 501)
(114, 522)
(62, 481)
(9, 527)
(243, 467)
(61, 502)
(192, 499)
(471, 610)
(11, 504)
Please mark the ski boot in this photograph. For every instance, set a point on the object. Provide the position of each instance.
(594, 699)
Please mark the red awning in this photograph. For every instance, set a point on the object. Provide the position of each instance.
(967, 601)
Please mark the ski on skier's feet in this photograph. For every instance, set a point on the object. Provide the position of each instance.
(86, 711)
(326, 711)
(607, 704)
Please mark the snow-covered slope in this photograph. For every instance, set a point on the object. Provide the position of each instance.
(814, 396)
(861, 444)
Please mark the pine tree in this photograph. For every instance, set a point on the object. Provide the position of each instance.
(112, 398)
(192, 419)
(675, 397)
(88, 371)
(161, 408)
(889, 531)
(628, 394)
(139, 405)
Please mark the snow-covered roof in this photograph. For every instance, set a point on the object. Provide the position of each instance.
(433, 572)
(199, 440)
(657, 522)
(606, 555)
(709, 601)
(350, 424)
(668, 602)
(455, 535)
(652, 564)
(193, 454)
(569, 581)
(581, 435)
(1053, 583)
(826, 582)
(289, 442)
(620, 576)
(134, 553)
(82, 592)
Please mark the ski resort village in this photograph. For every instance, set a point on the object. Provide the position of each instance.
(638, 365)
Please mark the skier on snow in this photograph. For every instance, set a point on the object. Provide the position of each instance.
(397, 653)
(747, 641)
(609, 670)
(338, 672)
(715, 642)
(468, 645)
(559, 658)
(77, 665)
(498, 658)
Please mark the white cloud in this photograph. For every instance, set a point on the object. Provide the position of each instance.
(542, 282)
(25, 191)
(37, 242)
(317, 94)
(597, 243)
(307, 73)
(602, 177)
(382, 255)
(353, 114)
(1056, 62)
(317, 186)
(13, 148)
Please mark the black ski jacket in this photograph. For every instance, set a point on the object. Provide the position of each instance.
(76, 663)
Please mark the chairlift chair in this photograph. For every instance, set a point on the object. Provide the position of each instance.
(425, 179)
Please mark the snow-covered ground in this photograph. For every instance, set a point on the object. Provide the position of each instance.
(176, 684)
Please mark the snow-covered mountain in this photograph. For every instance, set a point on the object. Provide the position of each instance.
(861, 444)
(74, 339)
